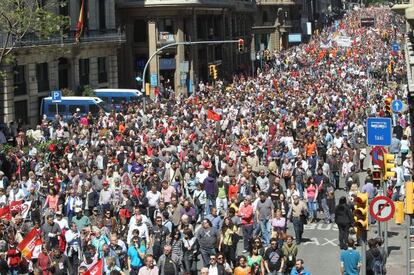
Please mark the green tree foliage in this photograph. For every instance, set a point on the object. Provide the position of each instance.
(22, 18)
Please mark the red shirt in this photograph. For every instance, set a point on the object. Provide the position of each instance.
(233, 190)
(246, 213)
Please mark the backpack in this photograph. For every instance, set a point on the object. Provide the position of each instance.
(377, 264)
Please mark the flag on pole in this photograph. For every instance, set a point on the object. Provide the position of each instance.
(81, 21)
(213, 115)
(96, 269)
(29, 243)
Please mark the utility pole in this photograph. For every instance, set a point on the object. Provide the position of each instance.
(189, 43)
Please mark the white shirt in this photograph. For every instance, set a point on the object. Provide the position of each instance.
(153, 198)
(63, 223)
(201, 176)
(212, 270)
(143, 231)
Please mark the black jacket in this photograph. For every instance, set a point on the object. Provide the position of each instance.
(343, 215)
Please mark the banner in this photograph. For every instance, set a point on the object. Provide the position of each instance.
(29, 243)
(5, 213)
(20, 207)
(213, 115)
(79, 26)
(96, 269)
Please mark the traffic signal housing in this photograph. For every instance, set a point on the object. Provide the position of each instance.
(376, 176)
(389, 166)
(361, 212)
(409, 198)
(215, 72)
(241, 45)
(211, 69)
(387, 105)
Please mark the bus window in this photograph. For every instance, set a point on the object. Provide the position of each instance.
(105, 99)
(51, 108)
(94, 109)
(118, 100)
(72, 109)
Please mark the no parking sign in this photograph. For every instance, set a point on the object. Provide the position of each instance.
(382, 208)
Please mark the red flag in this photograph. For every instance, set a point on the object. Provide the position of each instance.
(5, 213)
(213, 115)
(79, 26)
(96, 269)
(29, 243)
(15, 206)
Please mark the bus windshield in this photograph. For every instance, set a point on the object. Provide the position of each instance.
(104, 107)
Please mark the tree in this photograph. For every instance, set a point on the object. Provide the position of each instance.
(22, 18)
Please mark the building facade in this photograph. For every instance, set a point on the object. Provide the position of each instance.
(44, 65)
(151, 24)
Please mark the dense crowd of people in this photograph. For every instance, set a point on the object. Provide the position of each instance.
(179, 187)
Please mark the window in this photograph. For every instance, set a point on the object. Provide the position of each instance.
(42, 75)
(52, 108)
(102, 15)
(140, 31)
(94, 109)
(19, 80)
(118, 100)
(64, 8)
(83, 72)
(165, 25)
(20, 111)
(102, 73)
(72, 109)
(105, 99)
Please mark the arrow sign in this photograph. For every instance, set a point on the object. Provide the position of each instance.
(397, 106)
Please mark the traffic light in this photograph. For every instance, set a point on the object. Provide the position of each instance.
(409, 198)
(376, 176)
(215, 72)
(389, 166)
(211, 69)
(241, 45)
(387, 105)
(361, 212)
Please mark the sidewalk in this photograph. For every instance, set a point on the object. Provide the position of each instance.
(396, 262)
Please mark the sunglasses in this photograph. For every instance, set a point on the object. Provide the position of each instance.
(220, 258)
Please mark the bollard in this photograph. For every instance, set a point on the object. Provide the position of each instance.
(399, 212)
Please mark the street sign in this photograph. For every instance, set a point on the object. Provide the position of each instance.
(154, 80)
(382, 208)
(397, 106)
(395, 47)
(56, 96)
(377, 154)
(379, 131)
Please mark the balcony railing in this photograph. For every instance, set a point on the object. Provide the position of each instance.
(68, 38)
(276, 2)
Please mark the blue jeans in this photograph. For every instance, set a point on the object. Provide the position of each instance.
(298, 227)
(211, 202)
(312, 208)
(325, 210)
(265, 229)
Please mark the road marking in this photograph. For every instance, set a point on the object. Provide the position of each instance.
(321, 226)
(313, 241)
(332, 242)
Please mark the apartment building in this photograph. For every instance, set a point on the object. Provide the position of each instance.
(60, 62)
(151, 24)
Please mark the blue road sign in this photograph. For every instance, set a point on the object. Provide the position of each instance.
(395, 47)
(56, 96)
(397, 106)
(379, 131)
(154, 80)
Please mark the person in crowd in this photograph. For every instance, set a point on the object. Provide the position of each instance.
(344, 219)
(351, 259)
(299, 268)
(298, 215)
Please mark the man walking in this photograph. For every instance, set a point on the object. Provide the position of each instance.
(246, 215)
(351, 260)
(208, 238)
(297, 215)
(264, 213)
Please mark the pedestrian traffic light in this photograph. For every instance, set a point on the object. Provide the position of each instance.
(387, 104)
(409, 198)
(361, 211)
(389, 166)
(376, 177)
(215, 72)
(241, 45)
(211, 69)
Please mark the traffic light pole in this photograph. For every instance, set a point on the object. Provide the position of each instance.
(189, 43)
(364, 234)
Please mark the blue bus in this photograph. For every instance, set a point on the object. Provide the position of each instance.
(115, 97)
(70, 104)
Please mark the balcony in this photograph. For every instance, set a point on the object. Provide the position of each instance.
(165, 38)
(106, 36)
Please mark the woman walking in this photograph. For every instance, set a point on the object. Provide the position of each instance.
(344, 219)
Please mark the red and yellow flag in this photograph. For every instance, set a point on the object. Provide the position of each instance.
(81, 21)
(213, 115)
(29, 243)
